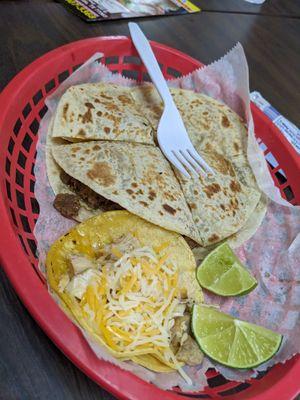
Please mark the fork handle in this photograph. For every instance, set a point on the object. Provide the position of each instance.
(144, 49)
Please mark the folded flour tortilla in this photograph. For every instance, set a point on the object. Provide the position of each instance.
(98, 111)
(208, 210)
(135, 176)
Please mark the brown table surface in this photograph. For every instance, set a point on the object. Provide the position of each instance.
(31, 367)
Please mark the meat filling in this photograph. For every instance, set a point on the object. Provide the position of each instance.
(67, 204)
(92, 199)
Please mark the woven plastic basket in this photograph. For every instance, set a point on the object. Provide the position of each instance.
(22, 107)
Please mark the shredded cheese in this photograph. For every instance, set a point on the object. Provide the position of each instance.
(133, 301)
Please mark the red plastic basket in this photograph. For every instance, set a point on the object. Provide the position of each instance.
(22, 107)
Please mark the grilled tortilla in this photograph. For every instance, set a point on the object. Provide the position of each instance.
(134, 176)
(98, 111)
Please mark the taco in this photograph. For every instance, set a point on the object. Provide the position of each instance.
(130, 285)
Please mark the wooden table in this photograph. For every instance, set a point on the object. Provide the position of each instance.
(31, 367)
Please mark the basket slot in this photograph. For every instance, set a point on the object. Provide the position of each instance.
(173, 73)
(43, 111)
(26, 111)
(27, 142)
(131, 74)
(63, 76)
(18, 124)
(235, 389)
(111, 60)
(50, 86)
(132, 60)
(37, 97)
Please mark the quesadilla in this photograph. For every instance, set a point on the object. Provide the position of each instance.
(208, 121)
(110, 175)
(131, 286)
(205, 210)
(220, 203)
(98, 111)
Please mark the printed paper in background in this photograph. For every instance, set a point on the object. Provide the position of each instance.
(99, 10)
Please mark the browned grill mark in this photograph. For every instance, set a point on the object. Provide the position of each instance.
(235, 186)
(81, 133)
(87, 116)
(213, 238)
(225, 122)
(210, 190)
(65, 110)
(102, 172)
(169, 209)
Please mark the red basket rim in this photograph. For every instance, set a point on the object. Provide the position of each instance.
(39, 303)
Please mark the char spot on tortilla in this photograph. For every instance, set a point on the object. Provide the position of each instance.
(161, 213)
(169, 209)
(65, 110)
(235, 186)
(222, 164)
(81, 132)
(152, 195)
(205, 113)
(82, 158)
(233, 212)
(87, 116)
(134, 185)
(129, 191)
(140, 191)
(125, 99)
(210, 190)
(96, 147)
(102, 172)
(105, 96)
(197, 220)
(213, 238)
(97, 101)
(99, 113)
(193, 206)
(236, 146)
(115, 192)
(75, 149)
(195, 191)
(106, 129)
(169, 196)
(225, 122)
(143, 203)
(223, 207)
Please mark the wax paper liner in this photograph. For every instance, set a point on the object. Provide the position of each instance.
(272, 254)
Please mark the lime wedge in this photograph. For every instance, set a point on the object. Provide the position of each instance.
(230, 341)
(222, 273)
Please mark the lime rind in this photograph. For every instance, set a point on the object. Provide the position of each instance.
(239, 345)
(222, 273)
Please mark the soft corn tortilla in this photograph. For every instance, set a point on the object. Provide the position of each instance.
(135, 176)
(99, 111)
(104, 229)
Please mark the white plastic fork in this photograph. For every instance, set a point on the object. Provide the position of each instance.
(172, 136)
